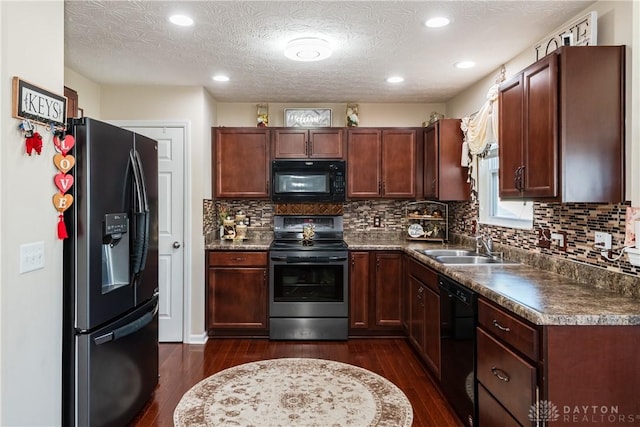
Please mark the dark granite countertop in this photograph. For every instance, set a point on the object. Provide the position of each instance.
(539, 296)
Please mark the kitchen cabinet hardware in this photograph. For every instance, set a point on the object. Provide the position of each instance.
(499, 326)
(500, 374)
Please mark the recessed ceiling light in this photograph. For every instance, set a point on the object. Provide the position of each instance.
(395, 79)
(437, 22)
(307, 49)
(220, 78)
(465, 64)
(181, 20)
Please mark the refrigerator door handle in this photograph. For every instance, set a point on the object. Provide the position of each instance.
(140, 216)
(127, 329)
(146, 209)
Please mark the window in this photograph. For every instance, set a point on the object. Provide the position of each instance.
(514, 214)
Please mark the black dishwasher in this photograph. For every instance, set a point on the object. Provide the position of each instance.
(457, 343)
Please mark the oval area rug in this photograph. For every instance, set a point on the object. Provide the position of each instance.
(294, 392)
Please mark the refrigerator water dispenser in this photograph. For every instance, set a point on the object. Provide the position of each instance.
(115, 252)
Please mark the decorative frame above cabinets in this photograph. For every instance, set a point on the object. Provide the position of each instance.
(307, 117)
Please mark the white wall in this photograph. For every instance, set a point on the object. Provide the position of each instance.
(369, 114)
(89, 92)
(32, 48)
(177, 103)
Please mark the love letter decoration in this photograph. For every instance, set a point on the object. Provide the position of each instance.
(63, 181)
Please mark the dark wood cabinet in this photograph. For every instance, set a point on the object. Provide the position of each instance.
(560, 117)
(507, 362)
(424, 307)
(375, 290)
(241, 163)
(359, 279)
(237, 293)
(444, 178)
(72, 102)
(294, 143)
(382, 163)
(570, 366)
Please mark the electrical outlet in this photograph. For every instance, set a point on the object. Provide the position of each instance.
(376, 221)
(31, 257)
(603, 240)
(560, 237)
(544, 238)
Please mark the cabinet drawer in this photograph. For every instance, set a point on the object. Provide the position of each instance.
(511, 330)
(492, 413)
(424, 274)
(237, 259)
(508, 377)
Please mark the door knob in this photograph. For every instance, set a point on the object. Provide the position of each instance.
(176, 245)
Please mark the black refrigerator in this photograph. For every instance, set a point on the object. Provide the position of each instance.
(110, 279)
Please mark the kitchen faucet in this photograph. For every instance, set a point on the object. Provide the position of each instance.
(487, 244)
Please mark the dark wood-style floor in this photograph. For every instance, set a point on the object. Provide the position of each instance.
(182, 366)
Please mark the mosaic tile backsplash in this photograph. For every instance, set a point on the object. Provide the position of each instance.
(578, 221)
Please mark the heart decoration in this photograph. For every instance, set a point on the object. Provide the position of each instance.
(62, 202)
(64, 163)
(64, 145)
(63, 181)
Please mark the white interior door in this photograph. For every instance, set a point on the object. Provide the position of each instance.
(171, 202)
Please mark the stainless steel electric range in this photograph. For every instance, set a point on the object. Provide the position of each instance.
(308, 279)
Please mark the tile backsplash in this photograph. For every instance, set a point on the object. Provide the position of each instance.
(578, 220)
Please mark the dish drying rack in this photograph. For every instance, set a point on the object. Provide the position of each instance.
(427, 221)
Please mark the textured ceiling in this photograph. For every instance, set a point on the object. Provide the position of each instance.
(132, 42)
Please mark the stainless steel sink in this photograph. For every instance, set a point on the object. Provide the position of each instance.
(468, 259)
(448, 252)
(462, 257)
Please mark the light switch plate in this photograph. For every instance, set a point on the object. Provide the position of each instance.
(31, 257)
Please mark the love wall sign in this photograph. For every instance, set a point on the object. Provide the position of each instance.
(64, 163)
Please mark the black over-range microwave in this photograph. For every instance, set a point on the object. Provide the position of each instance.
(300, 181)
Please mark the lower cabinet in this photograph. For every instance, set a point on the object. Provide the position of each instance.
(507, 363)
(424, 313)
(375, 292)
(237, 293)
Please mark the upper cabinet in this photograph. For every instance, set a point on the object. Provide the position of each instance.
(240, 163)
(444, 178)
(561, 136)
(382, 163)
(295, 143)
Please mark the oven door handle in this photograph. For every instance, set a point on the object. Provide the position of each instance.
(311, 259)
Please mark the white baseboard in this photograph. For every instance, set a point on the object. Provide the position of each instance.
(197, 339)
